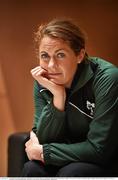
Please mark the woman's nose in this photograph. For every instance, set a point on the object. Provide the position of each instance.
(52, 63)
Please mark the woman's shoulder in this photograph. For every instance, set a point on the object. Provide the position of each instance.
(105, 68)
(105, 75)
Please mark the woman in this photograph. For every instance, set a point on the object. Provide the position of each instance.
(76, 107)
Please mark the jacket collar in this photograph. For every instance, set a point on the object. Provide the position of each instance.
(83, 75)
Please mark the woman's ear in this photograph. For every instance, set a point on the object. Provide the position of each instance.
(81, 56)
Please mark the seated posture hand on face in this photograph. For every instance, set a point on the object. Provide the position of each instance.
(58, 91)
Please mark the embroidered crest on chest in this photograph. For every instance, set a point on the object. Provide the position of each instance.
(90, 106)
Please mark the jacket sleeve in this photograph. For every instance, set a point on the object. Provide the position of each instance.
(101, 142)
(48, 120)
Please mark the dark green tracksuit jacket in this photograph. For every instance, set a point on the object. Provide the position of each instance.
(87, 131)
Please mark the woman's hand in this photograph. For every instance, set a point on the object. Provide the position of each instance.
(58, 91)
(33, 148)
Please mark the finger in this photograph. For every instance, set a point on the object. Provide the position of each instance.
(32, 134)
(38, 67)
(33, 137)
(28, 154)
(26, 144)
(35, 71)
(40, 72)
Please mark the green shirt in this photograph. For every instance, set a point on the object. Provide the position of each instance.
(87, 130)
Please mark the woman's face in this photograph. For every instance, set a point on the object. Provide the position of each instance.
(59, 60)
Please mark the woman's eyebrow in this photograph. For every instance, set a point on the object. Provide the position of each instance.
(55, 51)
(43, 52)
(59, 50)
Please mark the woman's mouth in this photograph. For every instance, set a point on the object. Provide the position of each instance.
(52, 75)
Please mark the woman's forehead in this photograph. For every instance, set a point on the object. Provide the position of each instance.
(48, 43)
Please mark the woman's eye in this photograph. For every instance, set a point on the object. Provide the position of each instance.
(44, 57)
(60, 55)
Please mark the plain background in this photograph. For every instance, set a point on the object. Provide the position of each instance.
(19, 20)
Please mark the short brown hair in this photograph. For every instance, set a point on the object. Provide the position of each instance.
(62, 29)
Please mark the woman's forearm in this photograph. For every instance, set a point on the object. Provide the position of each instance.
(59, 102)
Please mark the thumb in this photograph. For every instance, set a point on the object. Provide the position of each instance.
(33, 137)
